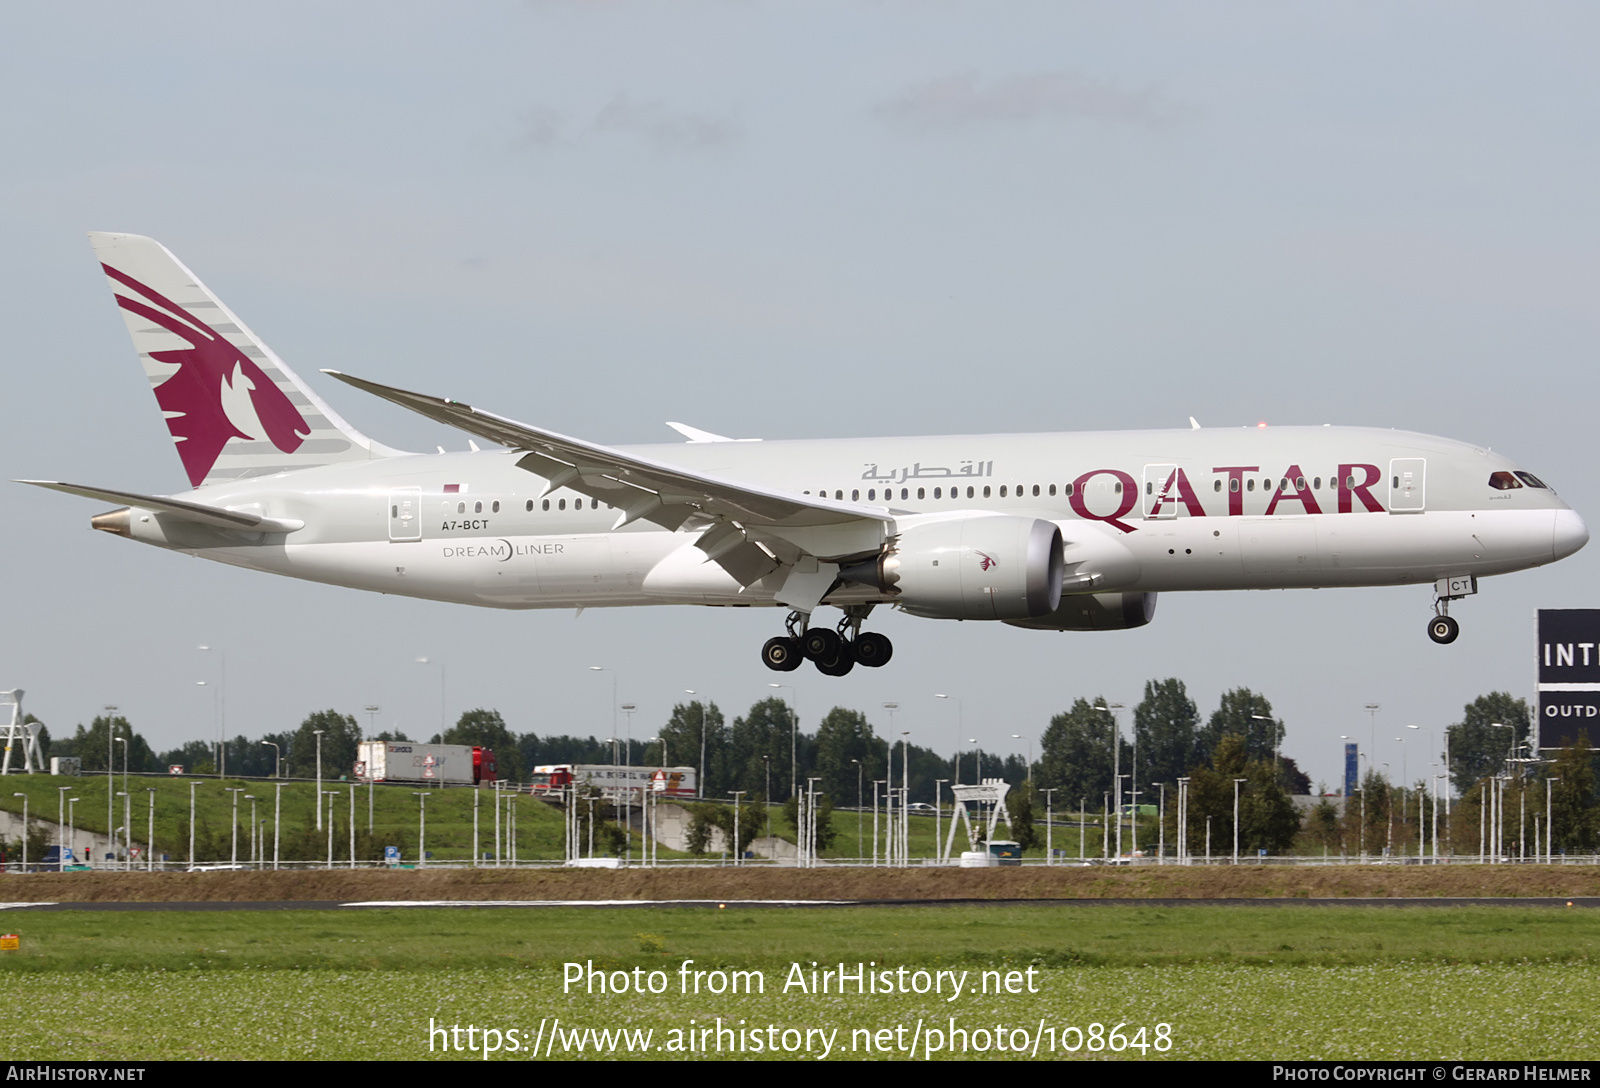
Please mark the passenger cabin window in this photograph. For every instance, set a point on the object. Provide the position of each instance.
(922, 492)
(1504, 481)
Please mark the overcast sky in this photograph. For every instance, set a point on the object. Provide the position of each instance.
(797, 220)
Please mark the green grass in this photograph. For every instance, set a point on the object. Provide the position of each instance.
(394, 819)
(394, 816)
(1270, 983)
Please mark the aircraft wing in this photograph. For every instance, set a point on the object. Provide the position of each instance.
(215, 516)
(791, 526)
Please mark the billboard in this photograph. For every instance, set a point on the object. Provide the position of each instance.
(1569, 676)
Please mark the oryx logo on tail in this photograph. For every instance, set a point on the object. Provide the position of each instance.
(233, 408)
(217, 393)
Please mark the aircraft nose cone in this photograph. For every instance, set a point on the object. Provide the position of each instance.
(1570, 534)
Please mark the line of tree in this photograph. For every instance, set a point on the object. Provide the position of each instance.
(757, 753)
(1169, 741)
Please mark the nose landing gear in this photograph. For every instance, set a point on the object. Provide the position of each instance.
(835, 652)
(1442, 629)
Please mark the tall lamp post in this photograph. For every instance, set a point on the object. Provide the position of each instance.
(127, 833)
(150, 834)
(700, 780)
(221, 707)
(1116, 766)
(319, 733)
(794, 739)
(956, 767)
(111, 763)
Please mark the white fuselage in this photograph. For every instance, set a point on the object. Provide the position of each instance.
(1143, 511)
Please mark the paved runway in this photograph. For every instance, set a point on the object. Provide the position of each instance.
(715, 904)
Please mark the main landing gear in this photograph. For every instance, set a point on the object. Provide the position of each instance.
(835, 652)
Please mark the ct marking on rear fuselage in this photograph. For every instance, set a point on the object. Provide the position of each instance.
(1059, 532)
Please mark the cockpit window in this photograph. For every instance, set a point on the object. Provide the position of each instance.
(1531, 480)
(1504, 481)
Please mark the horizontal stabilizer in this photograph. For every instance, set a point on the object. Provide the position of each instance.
(214, 516)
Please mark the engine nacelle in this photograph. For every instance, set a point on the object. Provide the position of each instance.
(1095, 612)
(969, 567)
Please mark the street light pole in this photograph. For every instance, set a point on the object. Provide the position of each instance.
(111, 763)
(319, 733)
(222, 710)
(794, 734)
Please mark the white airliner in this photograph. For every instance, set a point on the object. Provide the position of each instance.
(1058, 532)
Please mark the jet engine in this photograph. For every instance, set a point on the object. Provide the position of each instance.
(1095, 612)
(969, 567)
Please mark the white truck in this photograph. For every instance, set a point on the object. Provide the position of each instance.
(408, 761)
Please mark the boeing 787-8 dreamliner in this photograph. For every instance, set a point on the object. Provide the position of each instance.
(1058, 532)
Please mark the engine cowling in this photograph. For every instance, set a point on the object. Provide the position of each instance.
(1095, 612)
(969, 567)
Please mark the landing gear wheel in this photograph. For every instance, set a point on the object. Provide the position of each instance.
(820, 644)
(839, 663)
(1443, 630)
(873, 650)
(782, 654)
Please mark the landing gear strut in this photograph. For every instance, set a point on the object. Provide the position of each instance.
(835, 652)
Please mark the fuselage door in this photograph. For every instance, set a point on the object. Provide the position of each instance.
(1407, 491)
(405, 514)
(1160, 491)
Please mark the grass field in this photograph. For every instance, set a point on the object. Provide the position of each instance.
(1278, 983)
(394, 819)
